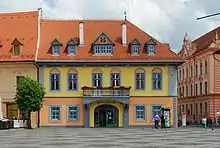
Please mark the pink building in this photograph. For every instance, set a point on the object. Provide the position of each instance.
(199, 76)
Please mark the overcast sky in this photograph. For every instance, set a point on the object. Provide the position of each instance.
(165, 20)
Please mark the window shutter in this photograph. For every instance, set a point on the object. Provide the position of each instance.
(93, 79)
(147, 48)
(101, 79)
(154, 49)
(59, 50)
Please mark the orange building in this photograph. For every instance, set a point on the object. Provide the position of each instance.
(101, 73)
(198, 77)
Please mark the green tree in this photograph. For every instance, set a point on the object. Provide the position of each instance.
(29, 96)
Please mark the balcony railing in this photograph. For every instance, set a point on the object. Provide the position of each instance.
(106, 91)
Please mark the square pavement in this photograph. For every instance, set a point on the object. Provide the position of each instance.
(110, 138)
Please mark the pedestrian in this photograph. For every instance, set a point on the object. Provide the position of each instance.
(156, 121)
(204, 122)
(162, 121)
(211, 123)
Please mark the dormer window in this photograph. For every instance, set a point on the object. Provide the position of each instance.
(103, 45)
(16, 47)
(135, 47)
(151, 47)
(56, 47)
(71, 46)
(16, 50)
(71, 49)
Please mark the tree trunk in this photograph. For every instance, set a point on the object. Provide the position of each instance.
(29, 121)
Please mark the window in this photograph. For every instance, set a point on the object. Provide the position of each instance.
(206, 88)
(187, 110)
(73, 112)
(140, 81)
(55, 112)
(191, 90)
(206, 66)
(155, 109)
(54, 80)
(180, 76)
(191, 69)
(183, 91)
(157, 81)
(200, 86)
(196, 70)
(72, 81)
(140, 112)
(186, 91)
(103, 49)
(200, 113)
(97, 79)
(16, 50)
(201, 70)
(12, 110)
(183, 74)
(186, 72)
(151, 49)
(196, 109)
(18, 78)
(196, 87)
(115, 79)
(71, 49)
(191, 108)
(183, 108)
(180, 93)
(206, 108)
(56, 49)
(135, 49)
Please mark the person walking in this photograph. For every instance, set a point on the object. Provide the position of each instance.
(204, 122)
(210, 124)
(156, 121)
(162, 121)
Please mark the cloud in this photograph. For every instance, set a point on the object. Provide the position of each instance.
(167, 21)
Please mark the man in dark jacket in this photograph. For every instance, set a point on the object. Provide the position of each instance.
(162, 121)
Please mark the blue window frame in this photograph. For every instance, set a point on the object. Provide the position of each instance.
(56, 49)
(151, 49)
(140, 112)
(156, 81)
(156, 109)
(135, 49)
(115, 79)
(71, 49)
(55, 113)
(97, 79)
(54, 81)
(73, 112)
(72, 81)
(103, 49)
(140, 81)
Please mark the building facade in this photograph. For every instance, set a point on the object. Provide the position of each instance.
(198, 77)
(104, 74)
(18, 44)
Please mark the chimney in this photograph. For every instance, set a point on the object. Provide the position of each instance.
(124, 34)
(81, 33)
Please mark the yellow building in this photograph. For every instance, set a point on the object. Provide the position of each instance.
(105, 74)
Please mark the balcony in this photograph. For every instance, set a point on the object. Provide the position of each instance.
(120, 91)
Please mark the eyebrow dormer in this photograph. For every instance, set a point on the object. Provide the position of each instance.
(56, 47)
(71, 46)
(151, 46)
(135, 47)
(16, 47)
(103, 45)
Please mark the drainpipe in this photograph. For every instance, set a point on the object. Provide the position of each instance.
(38, 112)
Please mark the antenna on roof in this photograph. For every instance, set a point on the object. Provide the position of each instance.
(41, 12)
(125, 15)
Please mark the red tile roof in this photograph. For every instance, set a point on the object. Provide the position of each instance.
(65, 30)
(24, 27)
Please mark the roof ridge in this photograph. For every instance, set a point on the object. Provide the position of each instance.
(18, 12)
(69, 20)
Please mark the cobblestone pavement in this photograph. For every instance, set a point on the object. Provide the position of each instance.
(110, 138)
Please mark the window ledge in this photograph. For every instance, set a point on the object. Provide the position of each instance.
(55, 91)
(56, 121)
(72, 120)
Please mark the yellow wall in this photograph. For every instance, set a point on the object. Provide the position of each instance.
(95, 104)
(165, 101)
(127, 79)
(44, 114)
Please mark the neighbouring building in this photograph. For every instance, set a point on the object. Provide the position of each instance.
(18, 46)
(104, 73)
(199, 77)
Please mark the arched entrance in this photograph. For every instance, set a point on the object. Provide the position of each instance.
(106, 116)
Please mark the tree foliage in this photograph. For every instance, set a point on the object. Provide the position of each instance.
(29, 95)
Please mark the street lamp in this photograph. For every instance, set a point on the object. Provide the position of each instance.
(214, 14)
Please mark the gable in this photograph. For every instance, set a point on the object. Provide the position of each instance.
(151, 41)
(56, 42)
(135, 42)
(16, 42)
(103, 39)
(72, 41)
